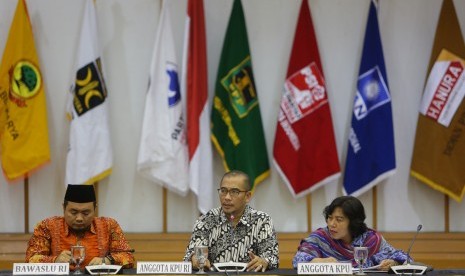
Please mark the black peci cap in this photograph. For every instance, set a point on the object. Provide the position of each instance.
(80, 193)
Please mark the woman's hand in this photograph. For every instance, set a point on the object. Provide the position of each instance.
(324, 260)
(386, 264)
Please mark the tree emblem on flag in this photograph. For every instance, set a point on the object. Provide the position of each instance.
(89, 90)
(241, 87)
(372, 93)
(25, 81)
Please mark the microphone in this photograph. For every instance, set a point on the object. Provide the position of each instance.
(231, 265)
(231, 221)
(407, 267)
(411, 243)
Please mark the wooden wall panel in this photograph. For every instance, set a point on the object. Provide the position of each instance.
(441, 250)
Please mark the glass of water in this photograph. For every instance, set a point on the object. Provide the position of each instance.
(201, 253)
(360, 256)
(78, 254)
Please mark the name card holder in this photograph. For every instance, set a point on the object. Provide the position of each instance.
(164, 268)
(40, 269)
(324, 269)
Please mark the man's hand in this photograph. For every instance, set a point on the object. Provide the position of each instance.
(256, 263)
(64, 257)
(99, 261)
(195, 263)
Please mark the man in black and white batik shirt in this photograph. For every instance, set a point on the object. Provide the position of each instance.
(235, 232)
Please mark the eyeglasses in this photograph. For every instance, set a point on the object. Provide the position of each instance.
(232, 192)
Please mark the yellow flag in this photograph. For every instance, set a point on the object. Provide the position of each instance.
(23, 114)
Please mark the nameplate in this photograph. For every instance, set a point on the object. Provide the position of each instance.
(40, 269)
(164, 268)
(324, 268)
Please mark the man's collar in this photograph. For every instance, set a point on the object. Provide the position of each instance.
(66, 227)
(92, 227)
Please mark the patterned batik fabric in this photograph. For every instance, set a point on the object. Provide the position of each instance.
(254, 232)
(320, 245)
(52, 235)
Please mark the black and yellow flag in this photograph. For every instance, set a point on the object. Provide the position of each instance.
(237, 130)
(23, 112)
(439, 151)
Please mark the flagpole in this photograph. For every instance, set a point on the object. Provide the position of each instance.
(309, 212)
(375, 207)
(164, 200)
(165, 210)
(96, 196)
(446, 214)
(26, 204)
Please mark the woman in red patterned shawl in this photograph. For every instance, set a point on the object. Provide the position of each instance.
(345, 230)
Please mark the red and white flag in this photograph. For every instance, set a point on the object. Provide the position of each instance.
(304, 150)
(195, 84)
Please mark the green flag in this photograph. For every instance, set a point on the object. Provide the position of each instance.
(237, 130)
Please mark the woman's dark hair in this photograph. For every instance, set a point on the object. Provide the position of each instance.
(353, 209)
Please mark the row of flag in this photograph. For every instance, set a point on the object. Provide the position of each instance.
(179, 127)
(305, 149)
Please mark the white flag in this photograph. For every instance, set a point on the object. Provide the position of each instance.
(89, 155)
(195, 85)
(163, 150)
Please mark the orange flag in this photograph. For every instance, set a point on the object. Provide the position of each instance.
(439, 152)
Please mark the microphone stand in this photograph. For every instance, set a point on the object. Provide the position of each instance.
(105, 269)
(108, 269)
(232, 264)
(231, 220)
(123, 251)
(407, 268)
(411, 244)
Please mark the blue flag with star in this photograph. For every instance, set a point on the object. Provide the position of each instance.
(370, 154)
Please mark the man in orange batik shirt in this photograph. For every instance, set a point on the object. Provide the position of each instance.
(102, 237)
